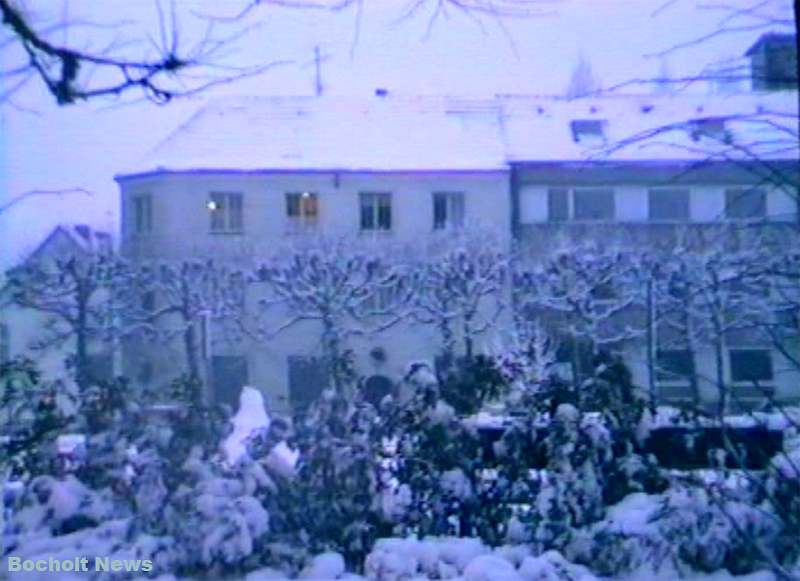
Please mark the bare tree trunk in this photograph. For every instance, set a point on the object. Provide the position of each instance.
(81, 338)
(190, 346)
(651, 321)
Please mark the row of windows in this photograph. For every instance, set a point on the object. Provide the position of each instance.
(226, 211)
(664, 204)
(746, 366)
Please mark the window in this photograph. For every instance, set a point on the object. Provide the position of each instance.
(143, 214)
(376, 388)
(448, 210)
(226, 212)
(5, 344)
(594, 204)
(302, 209)
(674, 365)
(751, 365)
(149, 301)
(100, 367)
(604, 291)
(712, 128)
(558, 204)
(376, 211)
(580, 204)
(229, 373)
(669, 205)
(382, 299)
(308, 378)
(745, 204)
(588, 131)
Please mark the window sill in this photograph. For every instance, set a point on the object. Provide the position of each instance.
(227, 232)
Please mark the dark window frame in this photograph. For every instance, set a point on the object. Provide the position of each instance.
(584, 194)
(142, 213)
(655, 202)
(734, 204)
(449, 209)
(375, 211)
(741, 372)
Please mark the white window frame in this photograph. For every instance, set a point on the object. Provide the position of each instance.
(142, 210)
(571, 204)
(375, 198)
(228, 224)
(304, 220)
(455, 205)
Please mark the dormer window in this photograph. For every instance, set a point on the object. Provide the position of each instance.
(588, 131)
(713, 128)
(773, 62)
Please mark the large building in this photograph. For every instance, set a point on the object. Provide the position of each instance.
(244, 175)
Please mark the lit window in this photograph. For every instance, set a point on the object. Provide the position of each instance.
(143, 214)
(751, 365)
(745, 204)
(302, 209)
(448, 210)
(376, 211)
(225, 210)
(669, 204)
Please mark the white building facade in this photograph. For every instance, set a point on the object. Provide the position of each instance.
(245, 176)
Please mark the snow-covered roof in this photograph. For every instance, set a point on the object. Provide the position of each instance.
(655, 128)
(399, 133)
(67, 239)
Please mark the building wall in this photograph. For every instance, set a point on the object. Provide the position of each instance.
(181, 219)
(181, 230)
(706, 202)
(632, 226)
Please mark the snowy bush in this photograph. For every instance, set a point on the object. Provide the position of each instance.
(333, 502)
(399, 559)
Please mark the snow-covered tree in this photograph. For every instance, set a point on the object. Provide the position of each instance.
(343, 285)
(179, 298)
(587, 296)
(709, 294)
(460, 288)
(87, 299)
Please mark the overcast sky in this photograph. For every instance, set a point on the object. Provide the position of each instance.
(46, 147)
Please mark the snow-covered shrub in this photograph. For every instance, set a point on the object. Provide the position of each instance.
(708, 532)
(469, 382)
(332, 502)
(32, 414)
(401, 559)
(571, 494)
(783, 487)
(61, 506)
(216, 523)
